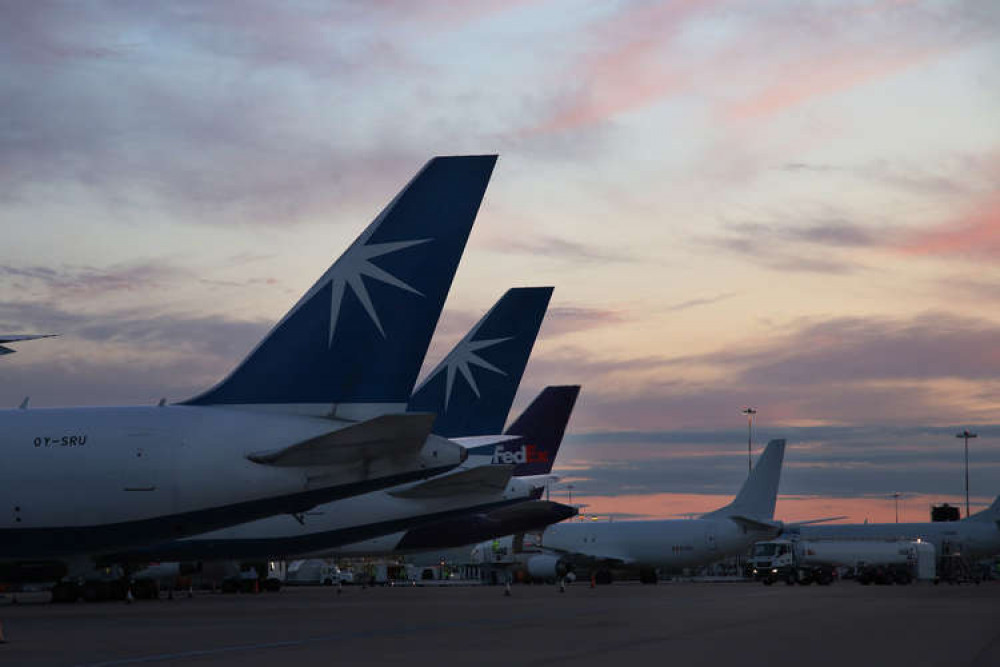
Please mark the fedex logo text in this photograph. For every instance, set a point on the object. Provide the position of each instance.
(522, 454)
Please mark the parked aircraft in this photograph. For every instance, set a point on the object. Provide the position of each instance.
(539, 432)
(677, 543)
(314, 413)
(976, 536)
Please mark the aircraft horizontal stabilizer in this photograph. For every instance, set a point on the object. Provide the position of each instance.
(474, 441)
(481, 479)
(757, 524)
(540, 481)
(384, 436)
(809, 522)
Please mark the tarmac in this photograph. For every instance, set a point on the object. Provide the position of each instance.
(676, 624)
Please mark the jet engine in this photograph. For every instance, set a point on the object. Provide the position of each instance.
(547, 567)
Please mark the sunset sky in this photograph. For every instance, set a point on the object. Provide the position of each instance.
(792, 205)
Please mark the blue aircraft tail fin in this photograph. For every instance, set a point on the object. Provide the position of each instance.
(473, 387)
(541, 428)
(360, 333)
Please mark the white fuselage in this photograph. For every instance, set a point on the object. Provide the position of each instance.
(970, 537)
(665, 544)
(86, 479)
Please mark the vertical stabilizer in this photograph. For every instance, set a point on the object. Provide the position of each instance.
(473, 387)
(541, 428)
(359, 335)
(760, 492)
(991, 513)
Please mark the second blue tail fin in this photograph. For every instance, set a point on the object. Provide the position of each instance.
(473, 388)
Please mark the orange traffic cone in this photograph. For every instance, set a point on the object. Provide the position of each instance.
(256, 586)
(593, 581)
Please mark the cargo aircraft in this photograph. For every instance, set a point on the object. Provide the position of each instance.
(668, 544)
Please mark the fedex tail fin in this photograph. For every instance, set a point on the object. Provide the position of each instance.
(991, 513)
(540, 429)
(760, 492)
(359, 335)
(472, 389)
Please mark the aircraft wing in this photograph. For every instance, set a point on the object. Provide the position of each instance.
(16, 338)
(481, 479)
(593, 556)
(812, 521)
(757, 524)
(384, 436)
(591, 559)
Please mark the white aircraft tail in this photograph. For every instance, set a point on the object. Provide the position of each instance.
(760, 492)
(991, 513)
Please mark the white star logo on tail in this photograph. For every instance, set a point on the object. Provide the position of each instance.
(348, 272)
(462, 359)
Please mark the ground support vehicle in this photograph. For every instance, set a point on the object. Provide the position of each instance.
(821, 561)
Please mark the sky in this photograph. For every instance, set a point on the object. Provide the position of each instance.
(794, 206)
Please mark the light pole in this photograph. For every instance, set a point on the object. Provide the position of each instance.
(895, 495)
(966, 435)
(750, 413)
(569, 487)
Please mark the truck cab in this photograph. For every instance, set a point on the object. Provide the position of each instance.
(770, 560)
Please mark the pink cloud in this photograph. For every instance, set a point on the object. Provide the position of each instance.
(977, 235)
(630, 73)
(826, 74)
(639, 60)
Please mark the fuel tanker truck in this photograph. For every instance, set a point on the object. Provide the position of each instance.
(819, 561)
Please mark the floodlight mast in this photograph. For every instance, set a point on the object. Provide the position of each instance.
(750, 413)
(965, 434)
